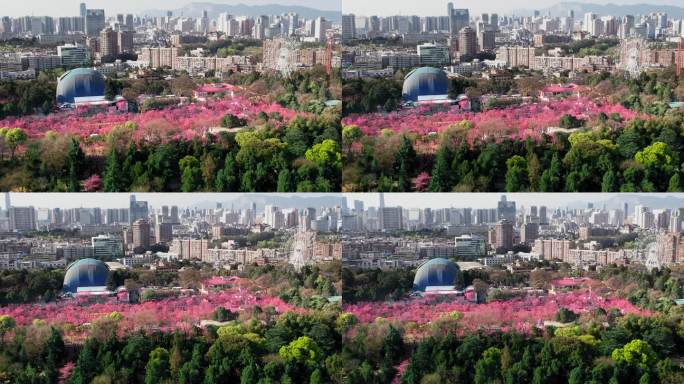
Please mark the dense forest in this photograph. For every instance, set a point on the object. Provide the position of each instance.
(262, 347)
(305, 156)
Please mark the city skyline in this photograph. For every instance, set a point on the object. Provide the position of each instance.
(489, 200)
(71, 8)
(405, 200)
(438, 7)
(121, 200)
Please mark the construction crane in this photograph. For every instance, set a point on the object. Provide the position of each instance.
(329, 53)
(679, 60)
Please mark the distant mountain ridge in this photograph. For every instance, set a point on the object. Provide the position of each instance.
(195, 9)
(284, 201)
(562, 9)
(651, 200)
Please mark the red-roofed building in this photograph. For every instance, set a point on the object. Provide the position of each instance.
(555, 90)
(212, 90)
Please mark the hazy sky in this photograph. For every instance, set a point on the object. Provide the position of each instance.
(71, 7)
(438, 7)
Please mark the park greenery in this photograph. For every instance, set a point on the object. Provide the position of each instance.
(276, 134)
(620, 135)
(633, 334)
(255, 336)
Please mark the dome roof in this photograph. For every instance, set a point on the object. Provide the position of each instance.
(436, 272)
(85, 273)
(79, 82)
(424, 81)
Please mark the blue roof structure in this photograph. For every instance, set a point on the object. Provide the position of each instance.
(85, 273)
(436, 272)
(79, 82)
(425, 82)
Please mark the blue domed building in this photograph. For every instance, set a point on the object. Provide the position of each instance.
(436, 273)
(80, 83)
(425, 84)
(85, 275)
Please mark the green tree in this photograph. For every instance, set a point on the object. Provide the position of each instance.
(191, 174)
(232, 121)
(441, 172)
(14, 137)
(488, 367)
(675, 183)
(565, 315)
(570, 121)
(302, 350)
(227, 178)
(655, 155)
(76, 163)
(550, 180)
(609, 182)
(404, 164)
(285, 181)
(157, 368)
(7, 323)
(393, 345)
(350, 134)
(191, 371)
(113, 178)
(636, 353)
(87, 364)
(516, 174)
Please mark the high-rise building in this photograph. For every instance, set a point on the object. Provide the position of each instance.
(321, 26)
(8, 204)
(274, 216)
(163, 232)
(543, 219)
(106, 247)
(137, 210)
(458, 19)
(141, 234)
(467, 41)
(174, 214)
(643, 216)
(666, 247)
(348, 27)
(186, 249)
(82, 10)
(391, 218)
(108, 43)
(503, 236)
(529, 232)
(381, 206)
(22, 218)
(494, 21)
(550, 249)
(94, 21)
(124, 41)
(469, 246)
(486, 40)
(675, 222)
(505, 210)
(432, 54)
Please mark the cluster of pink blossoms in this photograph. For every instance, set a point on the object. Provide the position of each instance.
(182, 121)
(165, 314)
(514, 122)
(521, 314)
